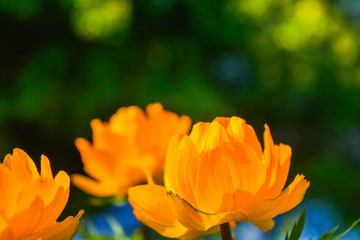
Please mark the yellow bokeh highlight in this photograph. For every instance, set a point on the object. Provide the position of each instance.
(309, 22)
(94, 19)
(254, 8)
(345, 48)
(288, 36)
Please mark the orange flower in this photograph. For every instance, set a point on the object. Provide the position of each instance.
(219, 174)
(31, 202)
(127, 148)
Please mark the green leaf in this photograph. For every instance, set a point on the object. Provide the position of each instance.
(297, 228)
(347, 230)
(329, 235)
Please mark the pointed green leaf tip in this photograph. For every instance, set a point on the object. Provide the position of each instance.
(297, 228)
(330, 235)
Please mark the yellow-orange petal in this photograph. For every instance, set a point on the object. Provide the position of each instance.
(207, 136)
(6, 234)
(224, 175)
(93, 187)
(95, 163)
(262, 210)
(45, 167)
(4, 229)
(277, 159)
(52, 211)
(62, 179)
(150, 202)
(110, 143)
(22, 166)
(43, 188)
(161, 125)
(64, 230)
(126, 122)
(9, 188)
(239, 131)
(22, 224)
(181, 167)
(22, 157)
(264, 226)
(198, 220)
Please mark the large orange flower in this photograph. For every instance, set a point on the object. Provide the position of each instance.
(31, 202)
(219, 174)
(127, 148)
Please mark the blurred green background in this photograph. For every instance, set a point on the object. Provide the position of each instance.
(291, 64)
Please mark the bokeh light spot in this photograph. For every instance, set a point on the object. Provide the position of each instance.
(345, 49)
(309, 22)
(95, 19)
(254, 8)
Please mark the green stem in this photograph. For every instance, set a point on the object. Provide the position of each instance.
(225, 231)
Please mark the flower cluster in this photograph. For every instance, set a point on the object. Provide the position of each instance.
(210, 179)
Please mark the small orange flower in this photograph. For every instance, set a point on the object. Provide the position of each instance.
(127, 149)
(31, 202)
(219, 174)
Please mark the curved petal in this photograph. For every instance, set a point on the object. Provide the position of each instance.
(52, 211)
(93, 187)
(9, 189)
(45, 189)
(45, 167)
(112, 143)
(22, 166)
(162, 125)
(64, 230)
(6, 234)
(126, 122)
(262, 210)
(264, 226)
(62, 179)
(4, 229)
(277, 159)
(24, 158)
(198, 220)
(239, 131)
(181, 167)
(95, 163)
(24, 223)
(154, 109)
(207, 136)
(150, 202)
(225, 175)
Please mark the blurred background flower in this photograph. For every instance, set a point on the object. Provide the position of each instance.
(293, 64)
(127, 150)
